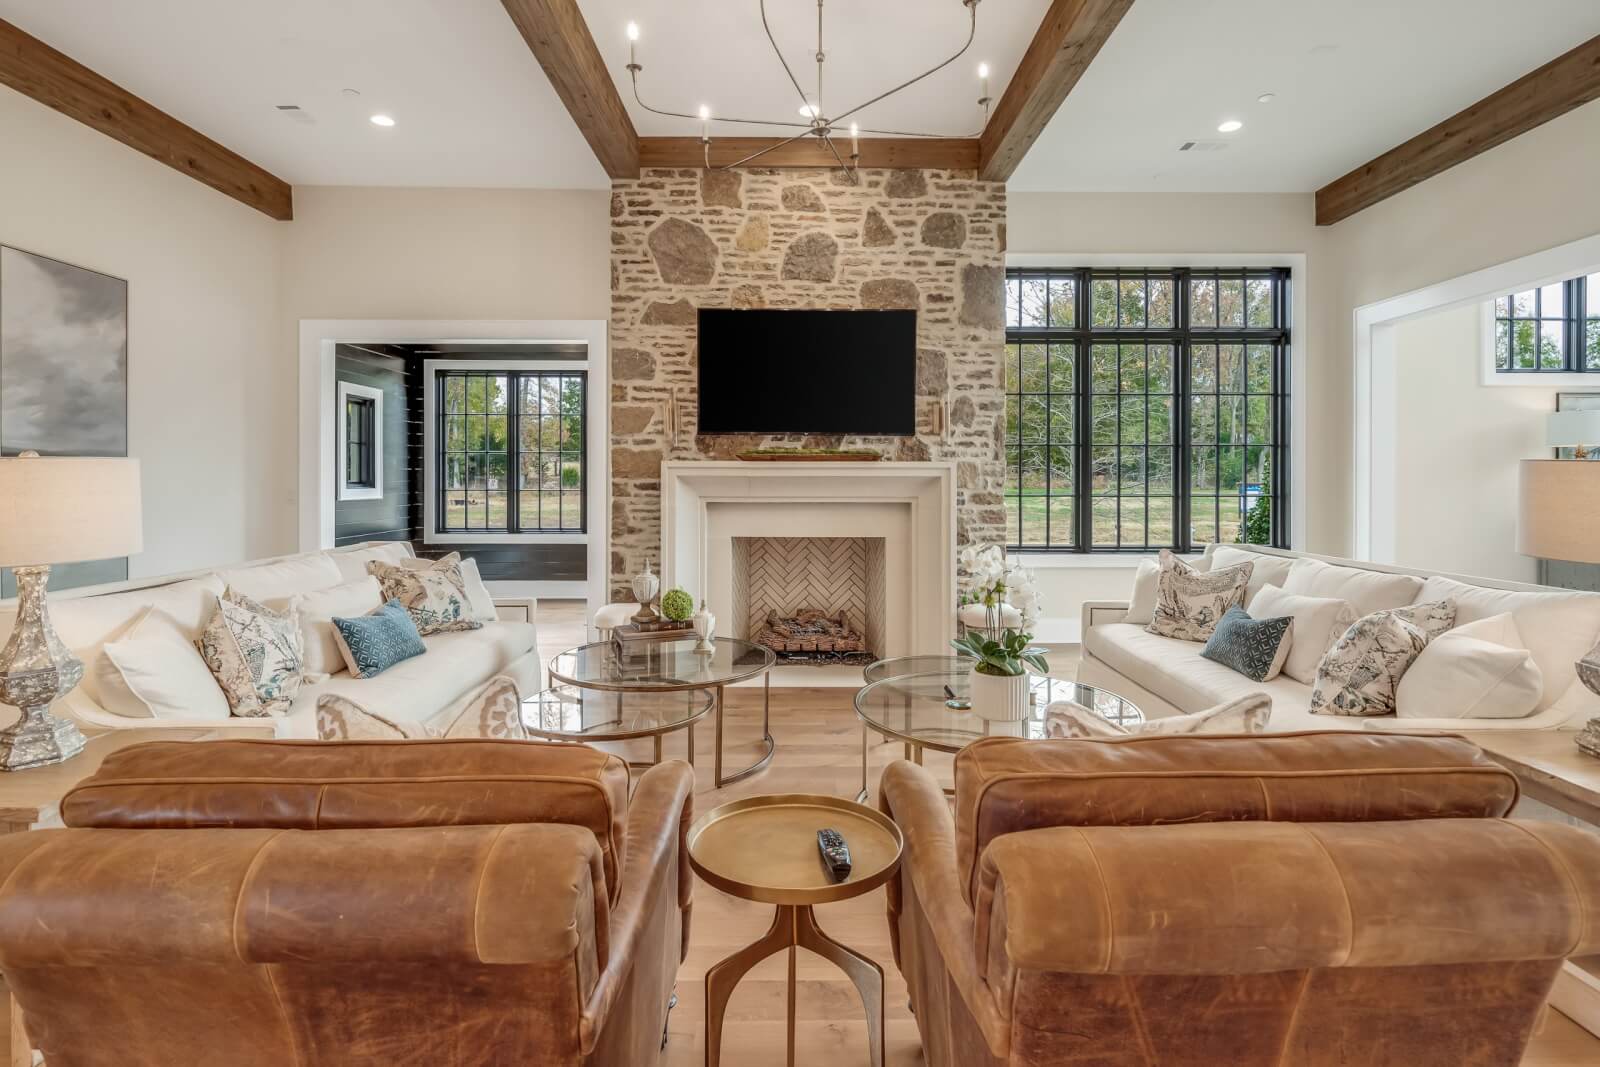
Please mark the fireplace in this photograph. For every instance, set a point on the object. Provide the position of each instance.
(816, 600)
(873, 542)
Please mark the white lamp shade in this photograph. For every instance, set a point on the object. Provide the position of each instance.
(1572, 429)
(1558, 509)
(68, 509)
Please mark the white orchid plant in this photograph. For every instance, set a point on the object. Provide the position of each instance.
(987, 578)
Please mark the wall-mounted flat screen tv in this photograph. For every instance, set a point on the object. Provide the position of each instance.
(835, 372)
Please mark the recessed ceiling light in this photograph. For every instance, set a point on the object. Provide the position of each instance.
(809, 110)
(1230, 126)
(1266, 98)
(382, 120)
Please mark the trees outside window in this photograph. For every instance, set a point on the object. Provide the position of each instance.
(1146, 408)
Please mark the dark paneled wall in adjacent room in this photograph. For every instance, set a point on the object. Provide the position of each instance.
(398, 513)
(520, 563)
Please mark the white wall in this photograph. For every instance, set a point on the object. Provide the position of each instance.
(206, 415)
(1456, 487)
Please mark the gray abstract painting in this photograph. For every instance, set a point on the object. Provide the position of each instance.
(63, 374)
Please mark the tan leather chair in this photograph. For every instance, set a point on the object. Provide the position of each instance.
(290, 904)
(1294, 899)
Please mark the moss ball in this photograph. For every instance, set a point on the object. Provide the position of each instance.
(677, 605)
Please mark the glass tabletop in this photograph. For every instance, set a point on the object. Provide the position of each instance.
(660, 665)
(912, 707)
(564, 713)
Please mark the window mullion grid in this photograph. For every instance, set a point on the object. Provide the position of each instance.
(1083, 419)
(514, 453)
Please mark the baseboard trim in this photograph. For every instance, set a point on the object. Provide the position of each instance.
(1576, 994)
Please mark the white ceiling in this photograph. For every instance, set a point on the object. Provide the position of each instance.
(1353, 79)
(715, 52)
(471, 105)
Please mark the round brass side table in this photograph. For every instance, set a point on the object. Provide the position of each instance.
(765, 849)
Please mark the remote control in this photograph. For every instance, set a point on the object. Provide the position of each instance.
(835, 853)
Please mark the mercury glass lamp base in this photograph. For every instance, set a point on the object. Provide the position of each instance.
(38, 739)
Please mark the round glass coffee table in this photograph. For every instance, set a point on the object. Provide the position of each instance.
(673, 666)
(908, 699)
(563, 713)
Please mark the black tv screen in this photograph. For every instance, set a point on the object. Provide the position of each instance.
(833, 372)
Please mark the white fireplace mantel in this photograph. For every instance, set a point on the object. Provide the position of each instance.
(911, 505)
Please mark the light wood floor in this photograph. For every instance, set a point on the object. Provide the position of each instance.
(819, 744)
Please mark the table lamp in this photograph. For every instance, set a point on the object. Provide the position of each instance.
(1558, 517)
(58, 510)
(1577, 430)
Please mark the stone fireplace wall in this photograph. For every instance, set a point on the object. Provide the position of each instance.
(685, 239)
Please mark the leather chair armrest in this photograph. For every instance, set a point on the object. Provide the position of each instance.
(910, 796)
(658, 820)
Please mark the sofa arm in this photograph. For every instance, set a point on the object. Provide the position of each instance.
(517, 609)
(1102, 613)
(910, 796)
(656, 880)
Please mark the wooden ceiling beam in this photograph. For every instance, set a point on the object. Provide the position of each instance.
(36, 70)
(1069, 37)
(933, 153)
(559, 38)
(1564, 83)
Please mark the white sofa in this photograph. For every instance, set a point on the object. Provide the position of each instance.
(1165, 676)
(427, 689)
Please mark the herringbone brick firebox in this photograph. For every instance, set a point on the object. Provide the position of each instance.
(787, 575)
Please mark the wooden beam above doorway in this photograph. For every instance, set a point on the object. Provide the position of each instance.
(932, 153)
(1564, 83)
(1069, 37)
(559, 38)
(56, 80)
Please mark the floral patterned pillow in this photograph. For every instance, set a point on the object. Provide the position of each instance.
(1190, 603)
(435, 598)
(254, 653)
(1361, 673)
(494, 712)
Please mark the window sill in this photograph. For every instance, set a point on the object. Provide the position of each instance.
(1091, 561)
(491, 537)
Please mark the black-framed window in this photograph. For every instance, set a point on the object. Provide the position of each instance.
(511, 451)
(1146, 408)
(360, 442)
(1551, 329)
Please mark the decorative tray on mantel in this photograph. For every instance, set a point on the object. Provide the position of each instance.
(809, 455)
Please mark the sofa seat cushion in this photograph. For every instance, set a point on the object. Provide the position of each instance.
(1367, 591)
(351, 785)
(1005, 785)
(1172, 669)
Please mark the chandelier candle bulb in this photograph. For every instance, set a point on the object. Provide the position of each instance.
(983, 78)
(705, 123)
(855, 141)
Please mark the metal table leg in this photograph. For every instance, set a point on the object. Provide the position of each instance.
(766, 735)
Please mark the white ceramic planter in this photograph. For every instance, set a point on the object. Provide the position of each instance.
(999, 698)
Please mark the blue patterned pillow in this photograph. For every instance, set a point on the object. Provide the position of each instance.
(1256, 648)
(373, 643)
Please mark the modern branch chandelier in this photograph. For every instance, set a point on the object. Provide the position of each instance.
(818, 122)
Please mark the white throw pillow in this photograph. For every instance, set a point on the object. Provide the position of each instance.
(1142, 600)
(1318, 623)
(1476, 671)
(479, 602)
(313, 613)
(156, 673)
(1368, 591)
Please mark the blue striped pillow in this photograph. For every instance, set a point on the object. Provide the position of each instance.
(371, 644)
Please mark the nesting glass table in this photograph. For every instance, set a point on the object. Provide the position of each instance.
(908, 699)
(651, 692)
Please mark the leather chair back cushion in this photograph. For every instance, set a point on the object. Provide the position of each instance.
(1004, 785)
(346, 785)
(1254, 898)
(154, 947)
